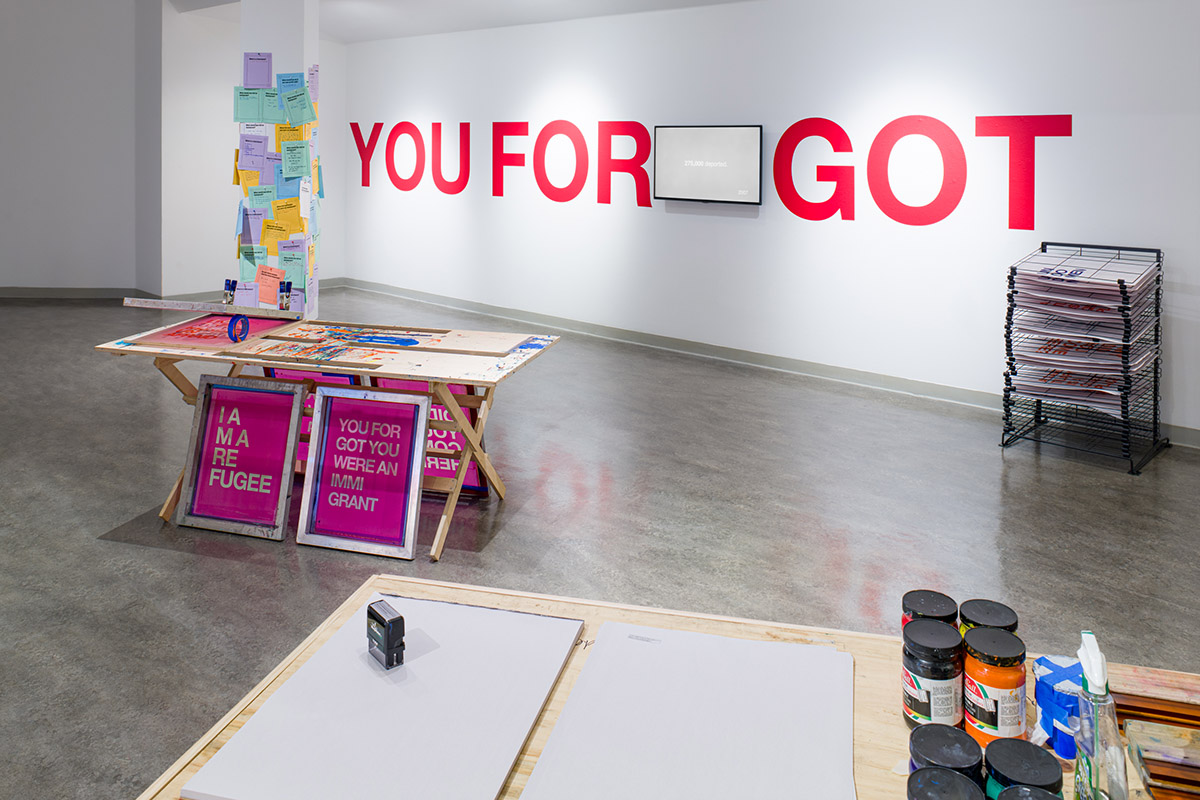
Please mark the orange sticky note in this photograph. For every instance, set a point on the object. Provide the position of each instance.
(316, 174)
(288, 133)
(268, 279)
(272, 232)
(247, 178)
(287, 211)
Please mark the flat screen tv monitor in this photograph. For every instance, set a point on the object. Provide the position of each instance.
(709, 163)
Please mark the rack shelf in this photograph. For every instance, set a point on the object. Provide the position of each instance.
(1083, 345)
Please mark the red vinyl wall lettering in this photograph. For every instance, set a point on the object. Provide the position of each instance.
(464, 159)
(365, 150)
(409, 183)
(606, 165)
(841, 177)
(501, 159)
(954, 170)
(560, 127)
(1022, 133)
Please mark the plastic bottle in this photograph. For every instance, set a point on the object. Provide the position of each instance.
(1100, 763)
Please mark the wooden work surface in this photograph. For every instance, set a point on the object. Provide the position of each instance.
(478, 358)
(880, 735)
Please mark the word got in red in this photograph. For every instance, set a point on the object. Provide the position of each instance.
(1022, 133)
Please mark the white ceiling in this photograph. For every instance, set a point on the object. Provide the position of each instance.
(352, 21)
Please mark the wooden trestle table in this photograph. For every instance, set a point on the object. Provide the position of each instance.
(442, 358)
(880, 735)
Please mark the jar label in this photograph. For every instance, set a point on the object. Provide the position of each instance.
(928, 700)
(994, 711)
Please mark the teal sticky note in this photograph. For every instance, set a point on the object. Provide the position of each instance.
(295, 159)
(249, 258)
(272, 107)
(295, 266)
(298, 106)
(247, 104)
(320, 179)
(261, 197)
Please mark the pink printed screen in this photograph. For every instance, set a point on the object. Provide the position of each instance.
(365, 470)
(242, 455)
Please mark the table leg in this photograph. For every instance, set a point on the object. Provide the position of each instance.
(439, 541)
(168, 507)
(167, 367)
(472, 433)
(472, 449)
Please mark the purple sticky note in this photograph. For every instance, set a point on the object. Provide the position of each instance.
(256, 70)
(294, 246)
(252, 151)
(252, 222)
(314, 76)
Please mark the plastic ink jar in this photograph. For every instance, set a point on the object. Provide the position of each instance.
(950, 748)
(1026, 793)
(994, 685)
(1015, 762)
(931, 675)
(986, 614)
(928, 604)
(935, 783)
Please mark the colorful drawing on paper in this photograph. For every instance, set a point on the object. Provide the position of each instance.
(362, 335)
(210, 332)
(321, 353)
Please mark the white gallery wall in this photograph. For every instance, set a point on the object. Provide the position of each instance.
(69, 129)
(202, 62)
(919, 303)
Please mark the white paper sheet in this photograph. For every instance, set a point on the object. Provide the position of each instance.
(447, 724)
(663, 714)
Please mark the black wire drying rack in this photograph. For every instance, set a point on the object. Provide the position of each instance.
(1091, 386)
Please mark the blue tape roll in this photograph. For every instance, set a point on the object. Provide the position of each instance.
(239, 327)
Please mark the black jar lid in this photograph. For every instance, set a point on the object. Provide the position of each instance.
(928, 638)
(994, 646)
(935, 783)
(988, 614)
(1016, 762)
(1026, 793)
(943, 746)
(926, 603)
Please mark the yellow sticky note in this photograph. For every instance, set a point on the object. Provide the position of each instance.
(316, 175)
(236, 177)
(247, 178)
(312, 256)
(272, 232)
(288, 133)
(287, 211)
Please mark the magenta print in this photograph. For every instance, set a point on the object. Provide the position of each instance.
(242, 453)
(365, 469)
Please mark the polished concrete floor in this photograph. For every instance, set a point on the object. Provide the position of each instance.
(635, 475)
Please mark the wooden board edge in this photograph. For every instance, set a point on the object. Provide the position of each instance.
(705, 617)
